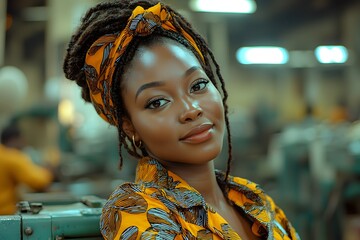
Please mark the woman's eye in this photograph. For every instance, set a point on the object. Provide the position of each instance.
(156, 103)
(199, 85)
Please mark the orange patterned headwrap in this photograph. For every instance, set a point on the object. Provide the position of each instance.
(104, 54)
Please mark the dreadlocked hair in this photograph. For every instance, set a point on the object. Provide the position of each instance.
(110, 18)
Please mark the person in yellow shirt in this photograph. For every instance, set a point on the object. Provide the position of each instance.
(16, 168)
(152, 76)
(339, 113)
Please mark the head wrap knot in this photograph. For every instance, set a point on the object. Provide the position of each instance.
(104, 54)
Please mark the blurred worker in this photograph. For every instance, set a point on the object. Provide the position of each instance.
(339, 113)
(17, 168)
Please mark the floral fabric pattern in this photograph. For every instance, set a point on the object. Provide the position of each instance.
(160, 205)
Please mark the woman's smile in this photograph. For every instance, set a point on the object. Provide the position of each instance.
(199, 134)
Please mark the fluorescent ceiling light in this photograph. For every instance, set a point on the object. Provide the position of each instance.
(262, 55)
(331, 54)
(225, 6)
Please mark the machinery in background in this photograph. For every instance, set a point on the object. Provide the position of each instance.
(51, 220)
(317, 169)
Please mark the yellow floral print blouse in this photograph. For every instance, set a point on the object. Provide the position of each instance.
(160, 205)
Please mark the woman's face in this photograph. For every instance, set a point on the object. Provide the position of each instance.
(174, 108)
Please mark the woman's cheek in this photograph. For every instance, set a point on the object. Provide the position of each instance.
(151, 126)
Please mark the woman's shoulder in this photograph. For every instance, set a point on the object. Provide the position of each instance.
(130, 197)
(244, 182)
(254, 192)
(142, 210)
(240, 185)
(248, 193)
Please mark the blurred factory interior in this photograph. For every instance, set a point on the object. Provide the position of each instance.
(295, 121)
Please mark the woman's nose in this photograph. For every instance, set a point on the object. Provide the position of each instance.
(192, 111)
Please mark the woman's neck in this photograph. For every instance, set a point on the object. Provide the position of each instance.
(202, 178)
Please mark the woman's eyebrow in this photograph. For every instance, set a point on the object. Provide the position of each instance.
(160, 83)
(191, 70)
(148, 85)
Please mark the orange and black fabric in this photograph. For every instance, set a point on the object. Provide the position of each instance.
(160, 205)
(104, 54)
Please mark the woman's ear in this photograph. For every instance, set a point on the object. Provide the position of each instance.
(128, 127)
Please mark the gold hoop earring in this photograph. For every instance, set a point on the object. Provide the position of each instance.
(133, 141)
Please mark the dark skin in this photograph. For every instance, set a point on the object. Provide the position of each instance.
(168, 96)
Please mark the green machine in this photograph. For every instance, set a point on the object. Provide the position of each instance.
(43, 221)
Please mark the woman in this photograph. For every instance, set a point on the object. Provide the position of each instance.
(148, 73)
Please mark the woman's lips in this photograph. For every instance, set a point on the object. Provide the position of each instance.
(199, 134)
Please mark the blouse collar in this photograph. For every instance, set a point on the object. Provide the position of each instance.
(152, 173)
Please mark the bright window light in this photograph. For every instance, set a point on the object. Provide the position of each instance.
(225, 6)
(331, 54)
(262, 55)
